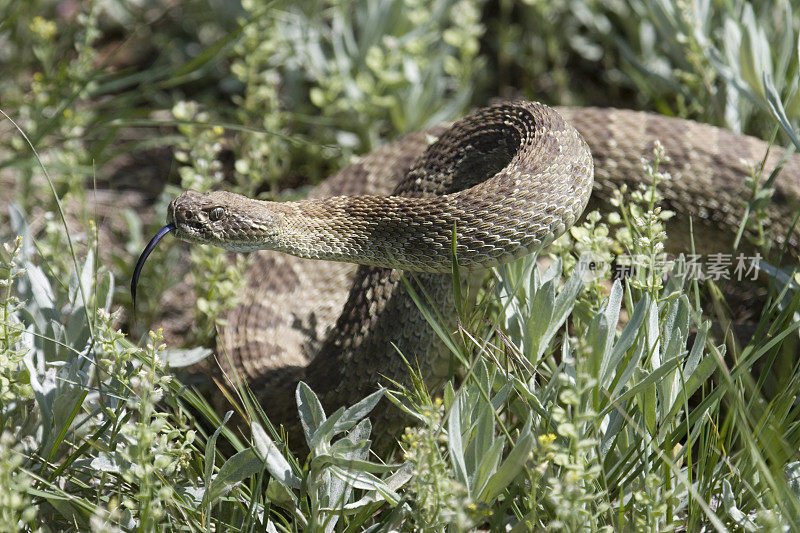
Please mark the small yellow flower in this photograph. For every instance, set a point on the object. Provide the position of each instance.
(43, 28)
(218, 130)
(546, 440)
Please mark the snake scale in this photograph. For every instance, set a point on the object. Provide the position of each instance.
(509, 179)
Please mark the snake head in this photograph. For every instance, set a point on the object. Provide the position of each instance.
(224, 219)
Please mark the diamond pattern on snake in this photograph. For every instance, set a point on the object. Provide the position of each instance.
(326, 303)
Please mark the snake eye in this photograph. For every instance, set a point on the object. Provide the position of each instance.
(216, 214)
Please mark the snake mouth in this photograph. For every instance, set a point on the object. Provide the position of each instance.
(189, 231)
(188, 223)
(143, 257)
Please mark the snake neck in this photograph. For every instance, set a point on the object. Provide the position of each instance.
(387, 231)
(507, 180)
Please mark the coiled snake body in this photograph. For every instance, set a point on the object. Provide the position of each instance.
(509, 179)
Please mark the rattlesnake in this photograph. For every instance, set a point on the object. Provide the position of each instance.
(507, 179)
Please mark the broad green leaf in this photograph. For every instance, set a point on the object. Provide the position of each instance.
(356, 464)
(610, 311)
(778, 111)
(184, 358)
(310, 409)
(643, 383)
(365, 481)
(626, 340)
(538, 320)
(354, 414)
(40, 287)
(211, 446)
(488, 465)
(508, 471)
(276, 464)
(325, 432)
(454, 443)
(239, 467)
(394, 482)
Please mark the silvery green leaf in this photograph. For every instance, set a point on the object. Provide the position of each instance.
(697, 348)
(346, 449)
(696, 375)
(361, 432)
(598, 334)
(41, 290)
(755, 55)
(552, 273)
(626, 340)
(77, 333)
(481, 429)
(675, 335)
(276, 464)
(454, 444)
(449, 395)
(643, 382)
(538, 319)
(27, 344)
(184, 358)
(488, 465)
(211, 448)
(653, 333)
(564, 303)
(280, 494)
(43, 392)
(509, 469)
(400, 404)
(676, 321)
(325, 432)
(192, 494)
(616, 420)
(365, 481)
(778, 111)
(105, 462)
(394, 482)
(354, 445)
(321, 488)
(19, 226)
(356, 464)
(310, 410)
(729, 504)
(80, 286)
(647, 400)
(481, 376)
(668, 323)
(355, 413)
(502, 395)
(611, 311)
(237, 468)
(350, 459)
(104, 290)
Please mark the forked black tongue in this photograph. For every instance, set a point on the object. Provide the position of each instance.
(142, 258)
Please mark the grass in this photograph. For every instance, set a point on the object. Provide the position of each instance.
(564, 416)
